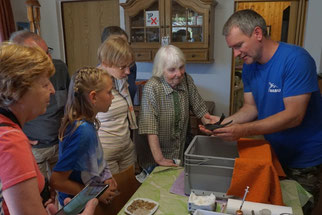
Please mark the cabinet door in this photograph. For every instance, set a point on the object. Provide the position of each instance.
(83, 23)
(144, 23)
(186, 24)
(189, 24)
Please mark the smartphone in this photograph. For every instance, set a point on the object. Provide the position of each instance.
(77, 204)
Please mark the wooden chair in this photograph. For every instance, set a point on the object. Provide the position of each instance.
(127, 185)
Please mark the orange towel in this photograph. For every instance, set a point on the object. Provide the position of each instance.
(258, 168)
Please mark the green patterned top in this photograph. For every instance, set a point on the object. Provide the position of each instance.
(165, 112)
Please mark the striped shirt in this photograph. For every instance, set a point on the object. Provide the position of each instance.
(165, 112)
(114, 130)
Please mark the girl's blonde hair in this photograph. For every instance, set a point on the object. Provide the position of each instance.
(78, 107)
(115, 51)
(20, 66)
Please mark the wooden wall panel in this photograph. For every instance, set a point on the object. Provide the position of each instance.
(83, 24)
(272, 12)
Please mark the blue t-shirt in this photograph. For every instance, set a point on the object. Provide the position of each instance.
(290, 72)
(81, 152)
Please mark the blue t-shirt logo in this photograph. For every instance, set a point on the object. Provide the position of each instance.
(273, 88)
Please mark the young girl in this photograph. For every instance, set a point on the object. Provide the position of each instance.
(80, 152)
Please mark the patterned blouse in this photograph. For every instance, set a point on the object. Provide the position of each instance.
(165, 112)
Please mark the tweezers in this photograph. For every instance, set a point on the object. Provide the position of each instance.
(218, 124)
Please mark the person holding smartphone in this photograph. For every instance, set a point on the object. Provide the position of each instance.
(25, 75)
(78, 203)
(81, 159)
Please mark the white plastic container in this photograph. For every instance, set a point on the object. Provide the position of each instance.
(201, 202)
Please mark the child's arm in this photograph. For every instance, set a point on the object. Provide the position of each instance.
(111, 192)
(105, 174)
(112, 183)
(60, 181)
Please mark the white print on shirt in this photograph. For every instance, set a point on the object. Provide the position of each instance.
(273, 88)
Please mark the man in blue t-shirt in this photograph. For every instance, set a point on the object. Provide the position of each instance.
(282, 100)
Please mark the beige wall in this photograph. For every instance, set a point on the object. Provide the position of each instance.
(313, 32)
(19, 10)
(212, 80)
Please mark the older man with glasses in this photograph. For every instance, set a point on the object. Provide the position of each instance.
(43, 131)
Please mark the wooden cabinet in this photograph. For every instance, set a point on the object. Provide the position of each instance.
(187, 24)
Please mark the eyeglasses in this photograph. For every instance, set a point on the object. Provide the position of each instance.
(50, 50)
(128, 66)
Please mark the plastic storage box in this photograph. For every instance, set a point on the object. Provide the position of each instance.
(209, 164)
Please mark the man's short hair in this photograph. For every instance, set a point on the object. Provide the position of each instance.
(20, 37)
(246, 20)
(112, 30)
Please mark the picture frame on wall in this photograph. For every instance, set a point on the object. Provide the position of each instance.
(23, 26)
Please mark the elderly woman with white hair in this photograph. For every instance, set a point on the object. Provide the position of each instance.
(166, 101)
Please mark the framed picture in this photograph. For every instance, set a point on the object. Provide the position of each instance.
(23, 26)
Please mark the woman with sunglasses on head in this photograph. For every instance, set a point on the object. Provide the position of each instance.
(116, 57)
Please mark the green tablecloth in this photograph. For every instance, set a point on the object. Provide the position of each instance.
(157, 187)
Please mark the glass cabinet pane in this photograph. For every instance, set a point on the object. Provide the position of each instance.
(153, 35)
(194, 18)
(187, 24)
(137, 35)
(140, 32)
(179, 34)
(138, 20)
(196, 34)
(179, 17)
